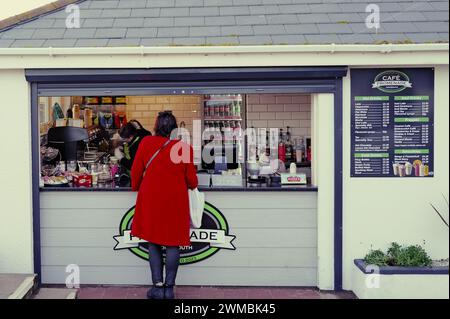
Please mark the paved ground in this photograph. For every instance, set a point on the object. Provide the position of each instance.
(191, 292)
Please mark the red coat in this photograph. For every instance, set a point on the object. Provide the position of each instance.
(162, 206)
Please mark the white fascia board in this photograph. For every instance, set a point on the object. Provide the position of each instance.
(237, 56)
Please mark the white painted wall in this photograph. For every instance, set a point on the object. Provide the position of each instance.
(16, 248)
(323, 176)
(378, 211)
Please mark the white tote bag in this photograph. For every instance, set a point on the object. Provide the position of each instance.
(196, 206)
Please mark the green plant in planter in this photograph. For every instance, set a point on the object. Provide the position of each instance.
(397, 255)
(376, 257)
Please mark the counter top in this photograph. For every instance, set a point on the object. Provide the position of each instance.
(113, 188)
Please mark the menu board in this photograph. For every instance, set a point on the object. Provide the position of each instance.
(392, 122)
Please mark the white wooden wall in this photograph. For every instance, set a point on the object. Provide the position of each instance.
(276, 240)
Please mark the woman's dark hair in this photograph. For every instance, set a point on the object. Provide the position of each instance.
(165, 124)
(128, 130)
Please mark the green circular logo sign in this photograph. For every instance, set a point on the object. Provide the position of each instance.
(391, 81)
(205, 241)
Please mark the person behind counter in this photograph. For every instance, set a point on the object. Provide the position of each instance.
(162, 206)
(132, 134)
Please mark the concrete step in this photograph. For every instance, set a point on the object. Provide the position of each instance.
(17, 286)
(55, 293)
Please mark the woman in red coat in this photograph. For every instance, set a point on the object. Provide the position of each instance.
(162, 207)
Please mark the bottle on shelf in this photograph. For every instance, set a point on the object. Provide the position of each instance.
(281, 147)
(289, 147)
(299, 150)
(267, 143)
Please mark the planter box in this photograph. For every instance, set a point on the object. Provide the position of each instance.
(399, 282)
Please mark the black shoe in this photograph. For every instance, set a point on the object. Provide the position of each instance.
(156, 292)
(168, 292)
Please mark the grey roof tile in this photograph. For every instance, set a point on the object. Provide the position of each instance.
(39, 23)
(353, 7)
(190, 41)
(302, 29)
(141, 32)
(89, 13)
(282, 19)
(247, 2)
(225, 11)
(18, 34)
(27, 43)
(223, 20)
(81, 33)
(132, 4)
(321, 38)
(313, 18)
(124, 42)
(204, 31)
(356, 38)
(62, 23)
(277, 2)
(103, 4)
(156, 41)
(269, 30)
(390, 7)
(174, 12)
(173, 32)
(390, 37)
(288, 39)
(218, 3)
(98, 23)
(264, 9)
(334, 28)
(414, 6)
(295, 8)
(436, 15)
(423, 37)
(409, 16)
(116, 13)
(48, 34)
(255, 40)
(324, 8)
(145, 13)
(432, 26)
(222, 40)
(345, 17)
(443, 37)
(251, 20)
(160, 3)
(236, 30)
(110, 33)
(5, 43)
(91, 42)
(60, 43)
(393, 27)
(189, 3)
(440, 5)
(159, 22)
(204, 12)
(129, 22)
(360, 28)
(190, 21)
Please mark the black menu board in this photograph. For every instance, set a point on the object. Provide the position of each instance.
(392, 122)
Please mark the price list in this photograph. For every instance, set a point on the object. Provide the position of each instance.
(391, 129)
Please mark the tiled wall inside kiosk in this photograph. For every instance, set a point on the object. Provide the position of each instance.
(280, 111)
(145, 108)
(263, 110)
